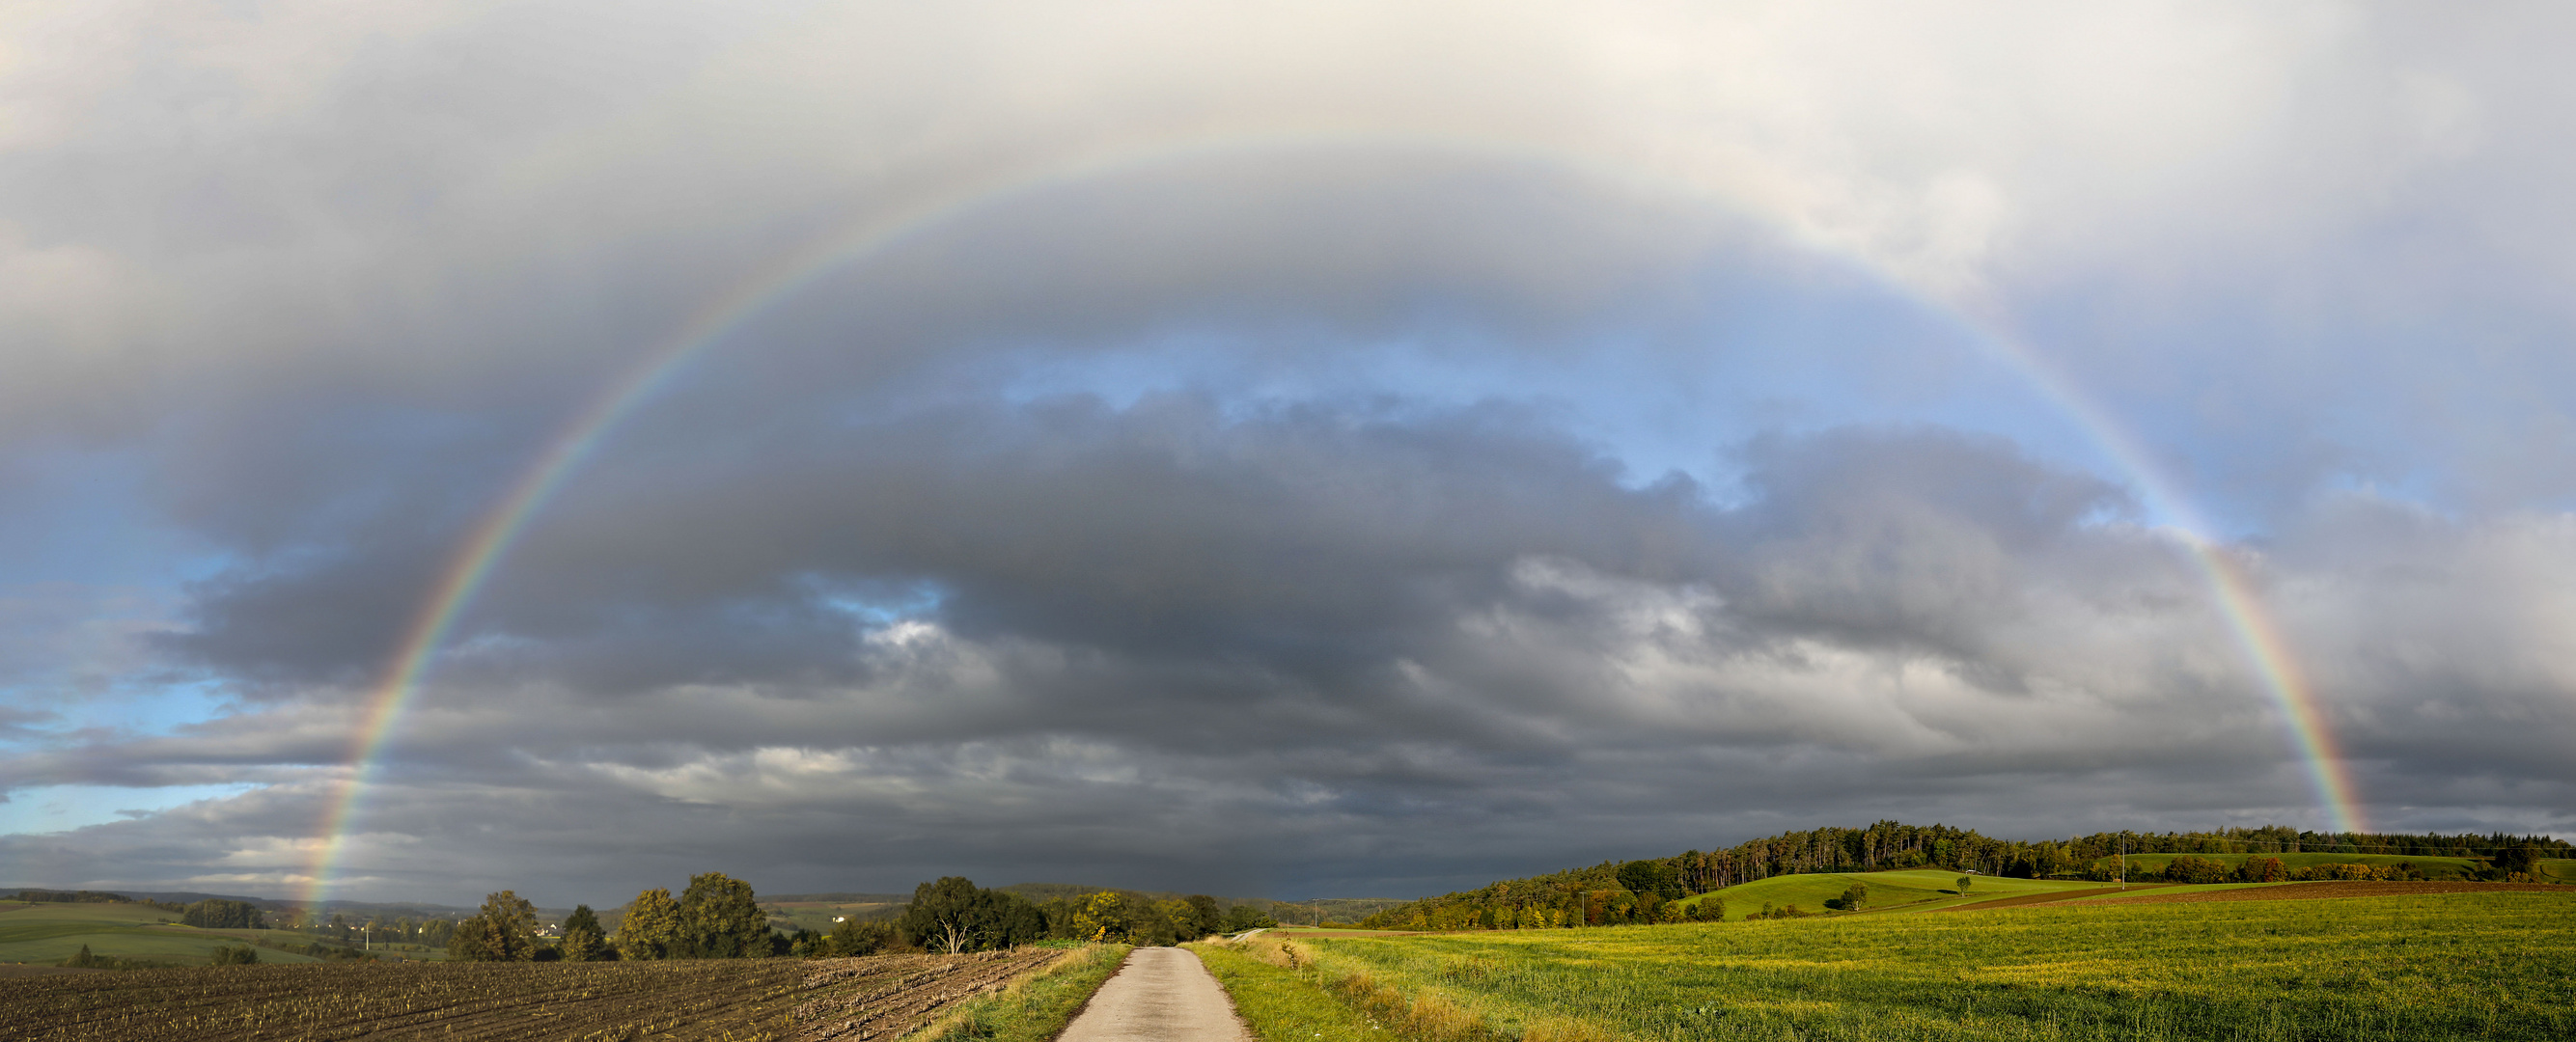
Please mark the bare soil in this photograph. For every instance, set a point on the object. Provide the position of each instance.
(885, 996)
(736, 1000)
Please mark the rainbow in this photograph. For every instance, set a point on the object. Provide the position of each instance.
(2256, 632)
(499, 529)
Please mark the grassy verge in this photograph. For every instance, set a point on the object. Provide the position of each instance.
(2491, 965)
(1034, 1009)
(1280, 997)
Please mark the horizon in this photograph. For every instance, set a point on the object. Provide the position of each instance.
(2218, 835)
(1269, 449)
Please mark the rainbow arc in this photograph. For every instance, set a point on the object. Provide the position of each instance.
(490, 539)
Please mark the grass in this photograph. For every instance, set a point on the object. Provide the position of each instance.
(2485, 965)
(1281, 1000)
(1921, 889)
(47, 932)
(1034, 1009)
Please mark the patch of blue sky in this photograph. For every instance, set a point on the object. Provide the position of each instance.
(1760, 357)
(87, 517)
(877, 605)
(62, 808)
(140, 709)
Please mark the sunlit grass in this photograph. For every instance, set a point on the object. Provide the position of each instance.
(1284, 1002)
(2488, 965)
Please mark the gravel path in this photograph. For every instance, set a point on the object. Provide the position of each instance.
(1159, 995)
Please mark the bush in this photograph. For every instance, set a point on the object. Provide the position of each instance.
(2262, 870)
(2199, 870)
(236, 955)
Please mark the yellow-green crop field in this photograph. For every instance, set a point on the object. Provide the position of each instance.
(2486, 965)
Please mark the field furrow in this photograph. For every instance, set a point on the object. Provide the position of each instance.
(737, 1000)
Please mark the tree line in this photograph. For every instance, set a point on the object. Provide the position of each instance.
(1641, 891)
(719, 917)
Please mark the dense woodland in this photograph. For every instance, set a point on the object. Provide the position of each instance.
(1635, 891)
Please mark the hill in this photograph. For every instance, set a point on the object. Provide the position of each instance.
(49, 932)
(1891, 846)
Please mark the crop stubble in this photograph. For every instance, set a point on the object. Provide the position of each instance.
(728, 1000)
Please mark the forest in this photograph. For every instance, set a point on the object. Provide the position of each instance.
(1633, 891)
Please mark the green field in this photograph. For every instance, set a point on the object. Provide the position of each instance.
(2486, 965)
(51, 932)
(1921, 889)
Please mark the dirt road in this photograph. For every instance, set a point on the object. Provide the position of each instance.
(1159, 995)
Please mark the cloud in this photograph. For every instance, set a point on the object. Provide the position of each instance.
(1311, 447)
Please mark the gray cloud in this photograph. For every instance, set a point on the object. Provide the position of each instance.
(1233, 473)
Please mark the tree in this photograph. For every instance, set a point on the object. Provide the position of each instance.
(2519, 863)
(651, 926)
(1651, 877)
(1101, 917)
(1205, 919)
(1964, 881)
(852, 937)
(504, 930)
(236, 955)
(720, 918)
(1246, 917)
(1857, 895)
(583, 940)
(943, 915)
(215, 913)
(954, 915)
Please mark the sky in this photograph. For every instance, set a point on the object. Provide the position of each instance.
(1295, 450)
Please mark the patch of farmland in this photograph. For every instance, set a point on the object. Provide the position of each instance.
(2322, 890)
(886, 996)
(49, 932)
(739, 1000)
(2416, 965)
(2432, 867)
(1916, 889)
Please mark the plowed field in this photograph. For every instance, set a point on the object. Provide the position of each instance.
(735, 1000)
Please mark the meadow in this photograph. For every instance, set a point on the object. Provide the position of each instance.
(48, 933)
(2486, 964)
(1919, 889)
